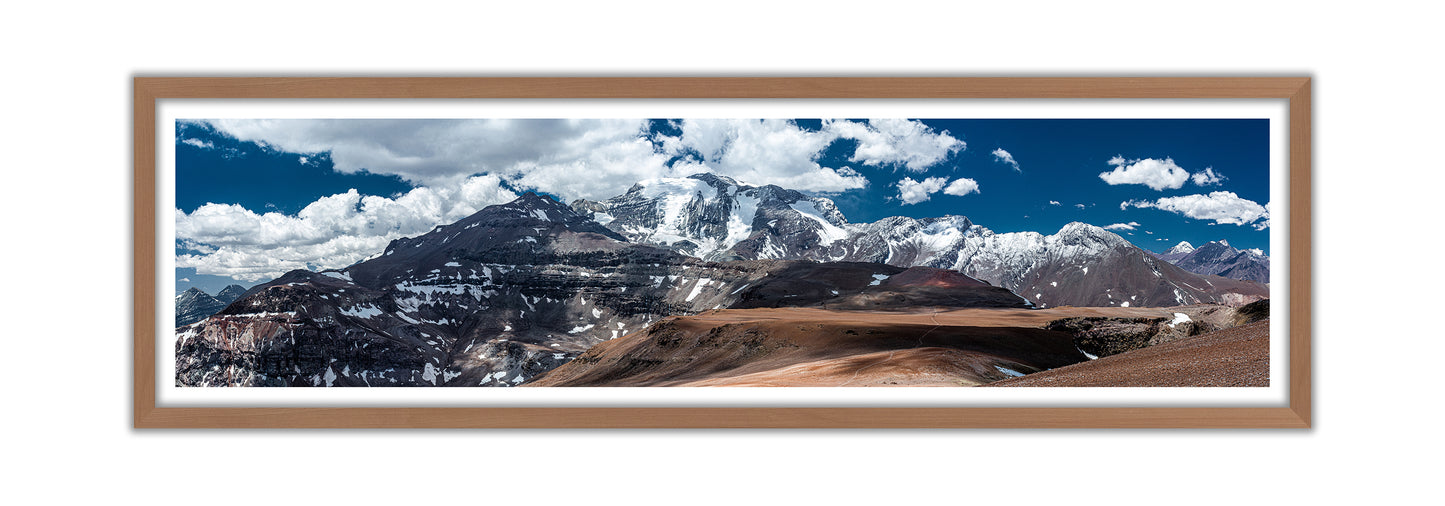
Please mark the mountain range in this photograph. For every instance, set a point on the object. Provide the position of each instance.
(716, 217)
(1218, 258)
(518, 289)
(506, 294)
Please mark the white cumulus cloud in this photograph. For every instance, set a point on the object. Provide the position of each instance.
(1156, 174)
(1207, 177)
(1123, 226)
(896, 142)
(580, 158)
(332, 232)
(962, 186)
(913, 192)
(1221, 207)
(1006, 158)
(461, 165)
(1264, 223)
(1054, 203)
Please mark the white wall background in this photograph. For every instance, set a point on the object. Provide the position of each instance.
(66, 202)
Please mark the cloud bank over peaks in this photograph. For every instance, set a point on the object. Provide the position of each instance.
(768, 151)
(600, 158)
(896, 143)
(332, 232)
(1221, 207)
(459, 166)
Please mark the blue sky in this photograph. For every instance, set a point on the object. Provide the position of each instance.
(256, 198)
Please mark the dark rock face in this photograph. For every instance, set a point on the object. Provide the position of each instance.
(494, 300)
(880, 287)
(1100, 336)
(1220, 259)
(1252, 312)
(1104, 336)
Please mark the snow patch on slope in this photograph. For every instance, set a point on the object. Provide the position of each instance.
(828, 233)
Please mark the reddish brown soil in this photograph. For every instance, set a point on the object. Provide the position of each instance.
(1234, 357)
(924, 276)
(817, 347)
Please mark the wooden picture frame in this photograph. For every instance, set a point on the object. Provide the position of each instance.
(149, 90)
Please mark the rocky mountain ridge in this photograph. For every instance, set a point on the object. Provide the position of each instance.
(716, 217)
(504, 295)
(1218, 258)
(520, 288)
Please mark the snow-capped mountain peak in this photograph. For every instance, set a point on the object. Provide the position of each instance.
(1088, 237)
(718, 218)
(705, 215)
(1182, 247)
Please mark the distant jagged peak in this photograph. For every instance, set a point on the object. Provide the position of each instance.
(1216, 248)
(1182, 247)
(230, 293)
(192, 293)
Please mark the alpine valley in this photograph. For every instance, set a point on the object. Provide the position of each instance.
(707, 281)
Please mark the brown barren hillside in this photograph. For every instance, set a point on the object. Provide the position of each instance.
(1233, 357)
(811, 347)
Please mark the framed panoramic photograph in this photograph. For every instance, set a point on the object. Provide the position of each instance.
(722, 252)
